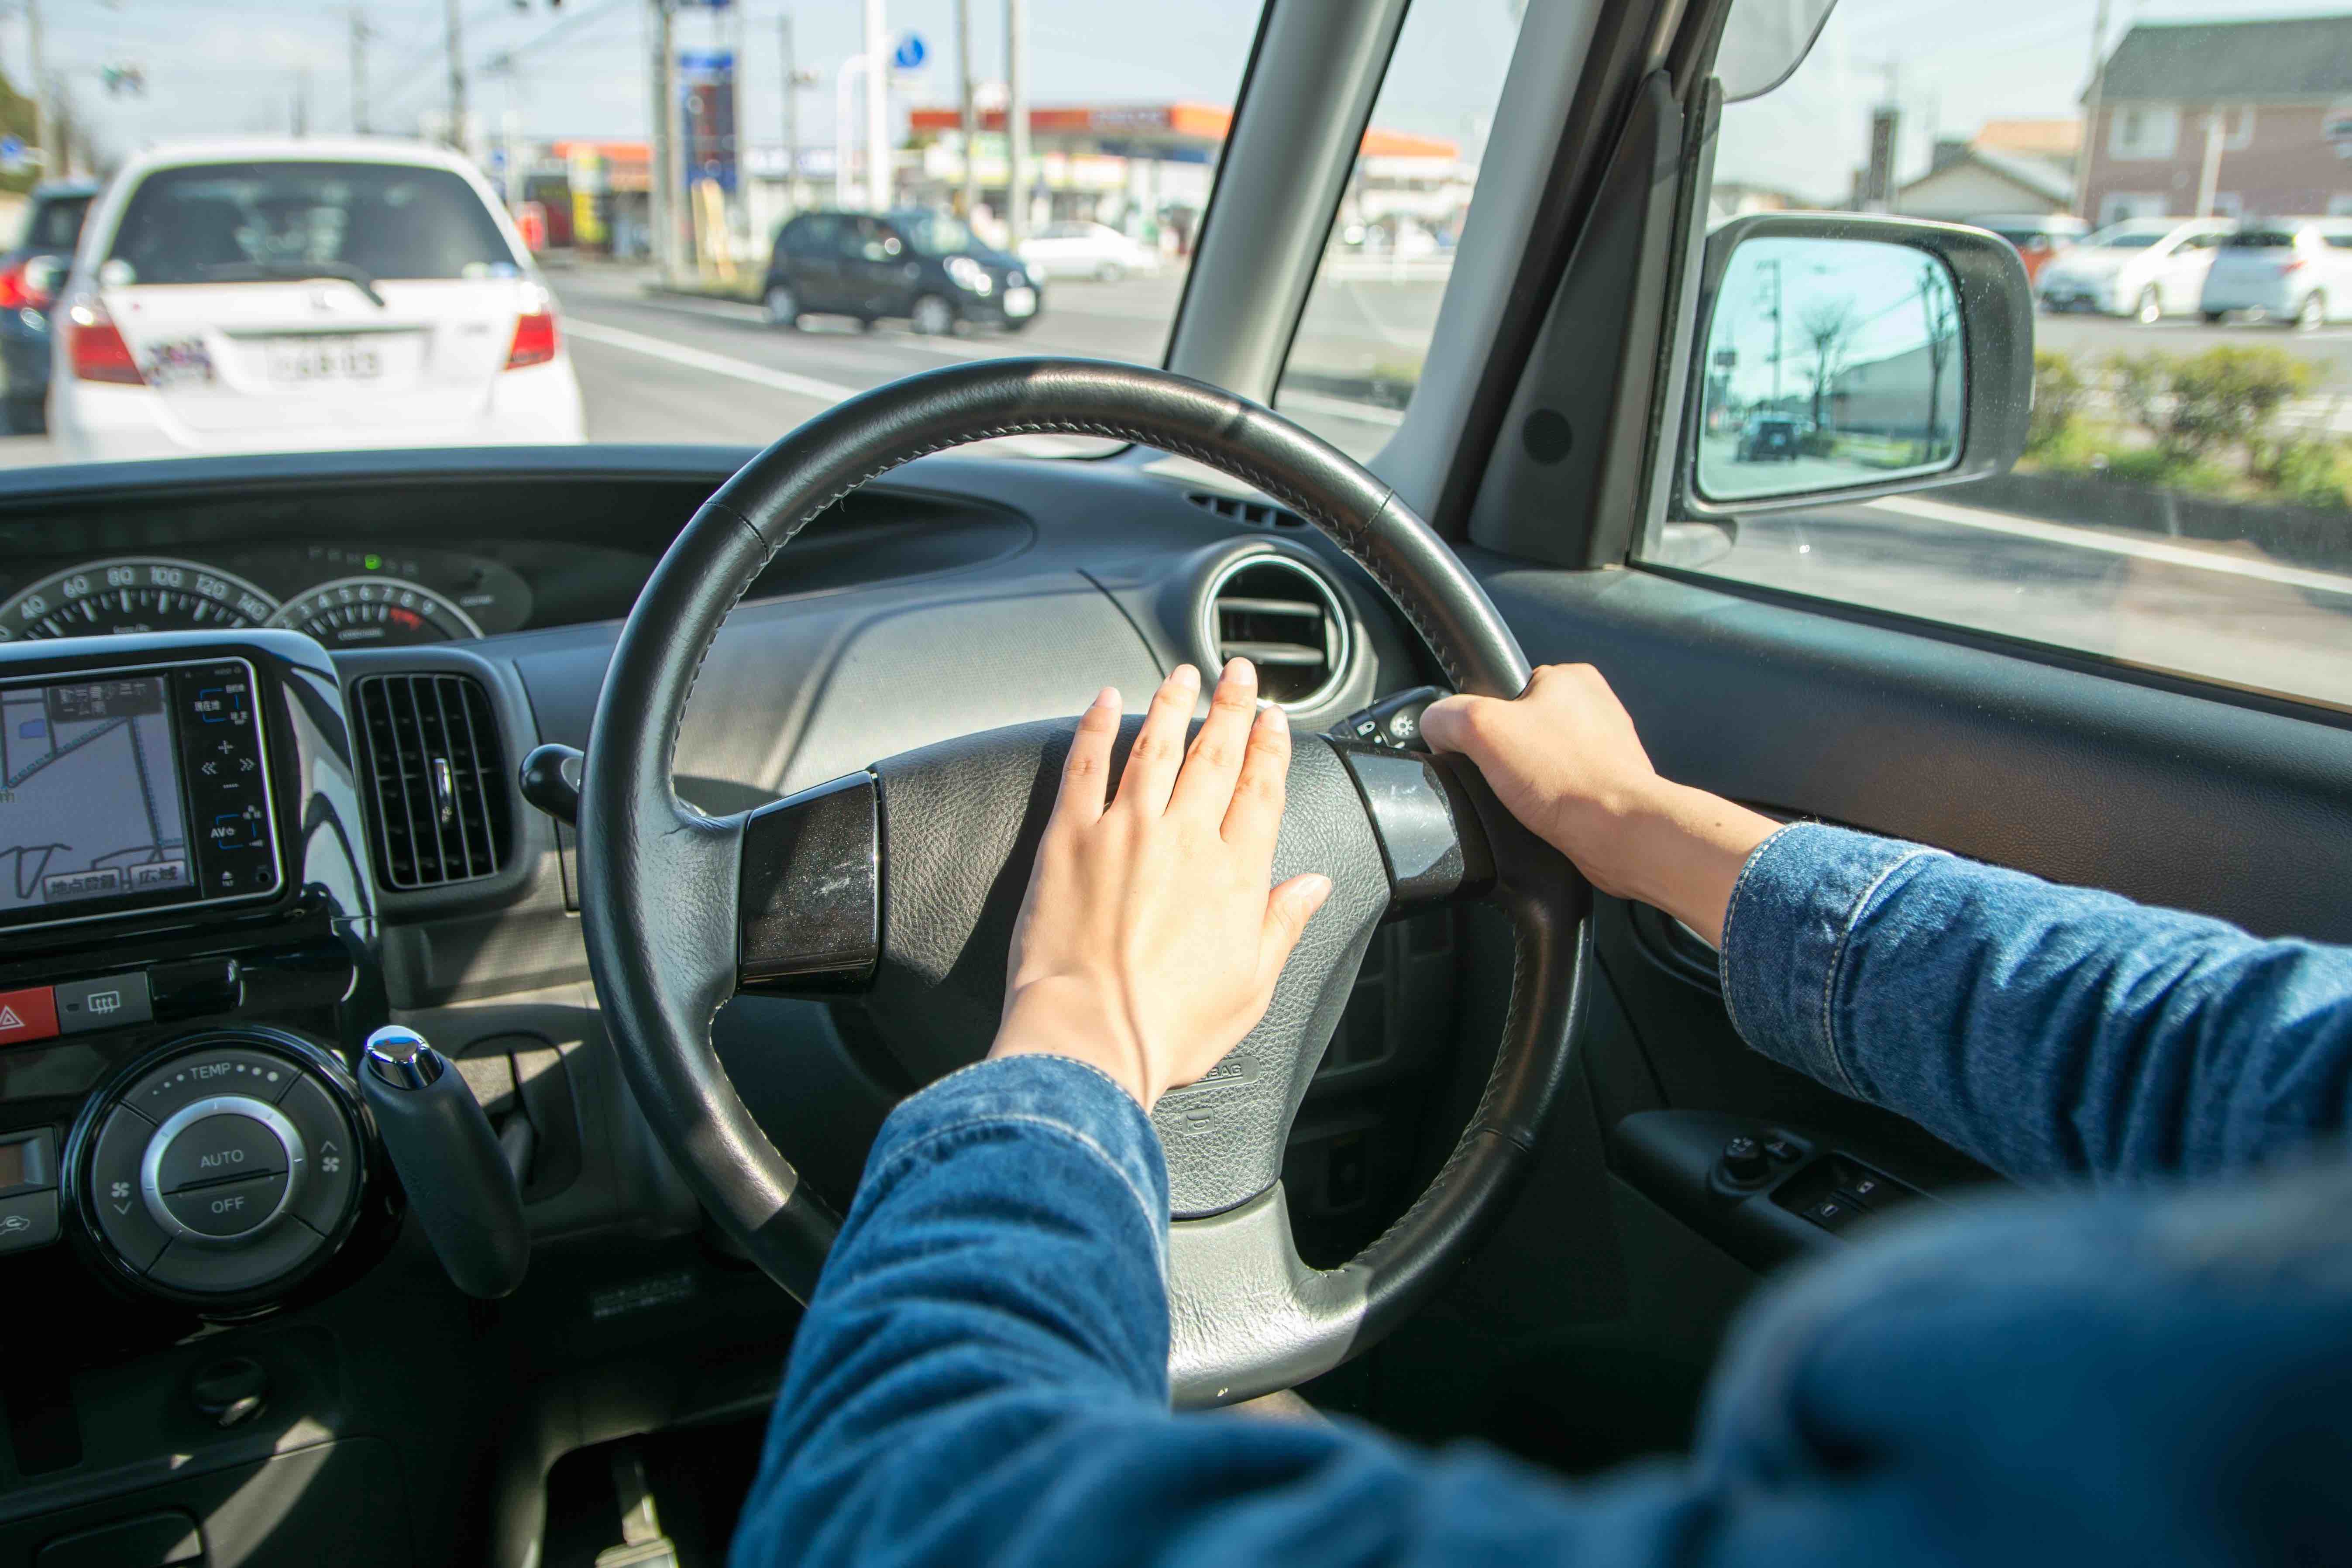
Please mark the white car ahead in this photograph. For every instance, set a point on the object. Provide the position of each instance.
(2146, 269)
(315, 294)
(2297, 270)
(1093, 250)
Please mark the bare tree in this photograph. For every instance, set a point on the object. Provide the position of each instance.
(1828, 326)
(1941, 312)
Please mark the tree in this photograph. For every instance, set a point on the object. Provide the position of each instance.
(1828, 326)
(1942, 316)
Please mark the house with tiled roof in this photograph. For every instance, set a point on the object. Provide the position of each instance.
(2248, 117)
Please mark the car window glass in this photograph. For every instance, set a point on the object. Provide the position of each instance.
(551, 113)
(56, 224)
(1357, 356)
(210, 222)
(2184, 502)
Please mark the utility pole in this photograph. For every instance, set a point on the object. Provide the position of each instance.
(456, 80)
(303, 103)
(877, 109)
(2209, 178)
(360, 33)
(52, 166)
(1016, 121)
(662, 188)
(2091, 113)
(967, 115)
(791, 115)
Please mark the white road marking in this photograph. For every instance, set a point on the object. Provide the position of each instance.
(716, 365)
(2115, 545)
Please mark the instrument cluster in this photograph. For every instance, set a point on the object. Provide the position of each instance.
(347, 596)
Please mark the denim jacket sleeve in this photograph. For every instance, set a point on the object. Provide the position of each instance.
(2049, 1031)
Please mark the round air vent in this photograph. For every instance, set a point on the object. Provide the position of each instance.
(1286, 618)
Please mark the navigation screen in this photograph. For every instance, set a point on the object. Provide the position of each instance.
(124, 790)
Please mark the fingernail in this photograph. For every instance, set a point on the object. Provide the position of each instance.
(1239, 669)
(1318, 887)
(1107, 698)
(1281, 718)
(1185, 675)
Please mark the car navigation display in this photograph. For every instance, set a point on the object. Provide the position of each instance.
(124, 790)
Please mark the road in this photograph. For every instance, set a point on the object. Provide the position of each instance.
(667, 368)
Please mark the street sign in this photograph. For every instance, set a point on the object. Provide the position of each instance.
(707, 94)
(911, 53)
(12, 154)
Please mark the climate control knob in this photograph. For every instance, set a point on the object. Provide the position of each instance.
(220, 1169)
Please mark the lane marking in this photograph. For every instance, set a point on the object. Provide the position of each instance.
(2111, 544)
(716, 365)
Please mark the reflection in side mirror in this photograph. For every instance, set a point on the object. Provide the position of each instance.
(1830, 363)
(42, 276)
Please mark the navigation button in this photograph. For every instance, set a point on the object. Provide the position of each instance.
(107, 1004)
(230, 1208)
(219, 1147)
(28, 1016)
(158, 876)
(122, 1217)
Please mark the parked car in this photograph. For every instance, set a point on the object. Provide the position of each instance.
(29, 276)
(2146, 268)
(2038, 237)
(251, 295)
(1093, 250)
(925, 268)
(2297, 270)
(1770, 437)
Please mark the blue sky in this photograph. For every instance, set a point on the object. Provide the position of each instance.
(238, 67)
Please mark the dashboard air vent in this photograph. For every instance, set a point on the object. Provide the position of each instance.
(442, 811)
(1248, 513)
(1284, 617)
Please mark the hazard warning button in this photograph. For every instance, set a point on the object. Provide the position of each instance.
(28, 1015)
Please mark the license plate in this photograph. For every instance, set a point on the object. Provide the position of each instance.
(1021, 301)
(305, 362)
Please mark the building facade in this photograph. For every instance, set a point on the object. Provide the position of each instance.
(2237, 118)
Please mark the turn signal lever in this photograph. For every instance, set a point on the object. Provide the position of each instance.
(460, 1180)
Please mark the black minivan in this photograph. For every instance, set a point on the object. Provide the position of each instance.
(925, 267)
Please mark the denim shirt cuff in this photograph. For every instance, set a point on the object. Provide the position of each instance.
(1059, 1096)
(1791, 923)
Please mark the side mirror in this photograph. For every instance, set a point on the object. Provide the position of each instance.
(1843, 356)
(43, 274)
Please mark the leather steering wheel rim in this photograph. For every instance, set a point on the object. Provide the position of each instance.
(649, 862)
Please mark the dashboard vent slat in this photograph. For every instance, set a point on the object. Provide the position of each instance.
(1248, 513)
(442, 813)
(1286, 618)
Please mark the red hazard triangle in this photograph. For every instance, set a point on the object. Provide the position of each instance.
(8, 1019)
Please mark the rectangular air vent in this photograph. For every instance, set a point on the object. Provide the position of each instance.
(443, 812)
(1248, 513)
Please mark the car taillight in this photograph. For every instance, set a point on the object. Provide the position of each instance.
(534, 339)
(2291, 264)
(96, 348)
(12, 295)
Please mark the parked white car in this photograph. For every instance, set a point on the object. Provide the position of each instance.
(1088, 250)
(2147, 267)
(2297, 270)
(314, 294)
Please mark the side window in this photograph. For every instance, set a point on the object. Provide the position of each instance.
(810, 236)
(2184, 502)
(1357, 356)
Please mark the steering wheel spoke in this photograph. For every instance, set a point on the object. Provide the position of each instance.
(809, 904)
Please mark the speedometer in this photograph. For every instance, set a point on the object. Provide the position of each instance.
(134, 593)
(376, 612)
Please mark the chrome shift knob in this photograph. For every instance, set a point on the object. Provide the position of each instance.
(401, 1056)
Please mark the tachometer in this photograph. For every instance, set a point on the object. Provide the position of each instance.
(134, 593)
(376, 612)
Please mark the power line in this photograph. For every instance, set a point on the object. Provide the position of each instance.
(503, 58)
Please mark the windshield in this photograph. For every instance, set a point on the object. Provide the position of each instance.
(2125, 239)
(936, 234)
(410, 224)
(219, 222)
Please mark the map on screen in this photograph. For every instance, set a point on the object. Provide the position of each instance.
(89, 793)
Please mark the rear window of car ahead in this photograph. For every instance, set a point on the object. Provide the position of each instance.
(2261, 239)
(56, 224)
(238, 222)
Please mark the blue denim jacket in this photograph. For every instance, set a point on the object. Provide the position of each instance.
(2132, 1374)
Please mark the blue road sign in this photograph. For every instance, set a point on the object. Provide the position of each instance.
(911, 53)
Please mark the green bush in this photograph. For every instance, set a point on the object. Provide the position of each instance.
(2202, 404)
(2314, 471)
(2059, 390)
(1817, 443)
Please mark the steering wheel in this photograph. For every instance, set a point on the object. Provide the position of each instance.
(901, 882)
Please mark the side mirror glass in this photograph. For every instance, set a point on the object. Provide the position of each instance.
(1830, 362)
(43, 274)
(1843, 356)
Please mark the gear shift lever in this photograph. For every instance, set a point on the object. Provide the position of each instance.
(457, 1177)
